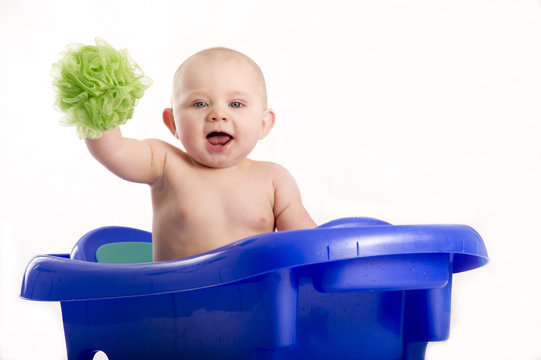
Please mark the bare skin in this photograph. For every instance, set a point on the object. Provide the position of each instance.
(211, 194)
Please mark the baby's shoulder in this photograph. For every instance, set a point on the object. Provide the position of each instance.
(158, 144)
(266, 166)
(165, 149)
(172, 159)
(271, 169)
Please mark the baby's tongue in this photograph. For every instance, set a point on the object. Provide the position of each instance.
(218, 138)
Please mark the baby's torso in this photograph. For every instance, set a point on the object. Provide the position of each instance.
(198, 209)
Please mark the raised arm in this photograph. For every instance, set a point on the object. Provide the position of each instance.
(133, 160)
(289, 211)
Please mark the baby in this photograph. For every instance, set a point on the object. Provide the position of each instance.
(211, 194)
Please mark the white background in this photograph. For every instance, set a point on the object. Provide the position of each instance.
(409, 111)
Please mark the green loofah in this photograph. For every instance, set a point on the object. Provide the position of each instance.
(97, 87)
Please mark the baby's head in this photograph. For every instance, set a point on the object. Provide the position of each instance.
(219, 107)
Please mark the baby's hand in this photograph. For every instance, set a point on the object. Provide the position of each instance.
(97, 87)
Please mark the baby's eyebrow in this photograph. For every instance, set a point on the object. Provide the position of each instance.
(196, 93)
(239, 94)
(202, 94)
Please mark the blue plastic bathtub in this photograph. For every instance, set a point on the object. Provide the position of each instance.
(354, 288)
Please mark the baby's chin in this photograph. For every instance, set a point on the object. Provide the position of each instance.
(234, 155)
(217, 162)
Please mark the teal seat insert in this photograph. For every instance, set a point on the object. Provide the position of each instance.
(125, 253)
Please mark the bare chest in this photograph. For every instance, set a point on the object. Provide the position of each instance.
(232, 205)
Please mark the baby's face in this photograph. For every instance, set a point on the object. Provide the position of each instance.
(219, 109)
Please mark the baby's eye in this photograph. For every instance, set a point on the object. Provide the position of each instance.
(200, 104)
(236, 104)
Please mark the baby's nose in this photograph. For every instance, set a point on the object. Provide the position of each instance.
(218, 115)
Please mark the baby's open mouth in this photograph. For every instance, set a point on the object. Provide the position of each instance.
(219, 138)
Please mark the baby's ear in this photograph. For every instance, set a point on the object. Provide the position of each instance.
(169, 121)
(267, 123)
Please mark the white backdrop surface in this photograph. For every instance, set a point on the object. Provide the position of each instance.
(409, 111)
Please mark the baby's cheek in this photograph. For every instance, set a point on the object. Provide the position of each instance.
(188, 139)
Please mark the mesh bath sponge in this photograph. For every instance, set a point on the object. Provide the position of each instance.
(97, 87)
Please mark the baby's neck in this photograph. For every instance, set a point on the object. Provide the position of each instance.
(235, 167)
